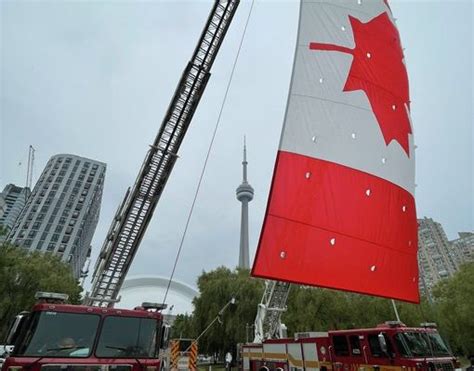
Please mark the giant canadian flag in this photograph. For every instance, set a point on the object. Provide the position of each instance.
(341, 211)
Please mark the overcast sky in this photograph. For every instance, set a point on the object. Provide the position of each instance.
(94, 78)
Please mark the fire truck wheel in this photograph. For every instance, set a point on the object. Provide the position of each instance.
(264, 368)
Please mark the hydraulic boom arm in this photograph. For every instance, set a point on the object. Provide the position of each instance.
(133, 216)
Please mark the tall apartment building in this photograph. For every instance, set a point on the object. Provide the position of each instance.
(436, 260)
(3, 205)
(12, 201)
(464, 247)
(62, 213)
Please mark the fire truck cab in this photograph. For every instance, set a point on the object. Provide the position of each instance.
(63, 337)
(388, 347)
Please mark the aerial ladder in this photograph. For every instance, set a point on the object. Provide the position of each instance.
(268, 320)
(135, 212)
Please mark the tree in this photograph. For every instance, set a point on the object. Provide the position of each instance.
(216, 289)
(3, 231)
(454, 302)
(183, 327)
(22, 274)
(314, 309)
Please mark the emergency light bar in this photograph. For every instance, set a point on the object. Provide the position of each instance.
(156, 306)
(429, 325)
(51, 297)
(395, 324)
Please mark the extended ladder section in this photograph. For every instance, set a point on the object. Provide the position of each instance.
(136, 210)
(273, 304)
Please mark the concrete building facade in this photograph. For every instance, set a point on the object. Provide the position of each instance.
(12, 201)
(62, 213)
(3, 205)
(464, 247)
(436, 259)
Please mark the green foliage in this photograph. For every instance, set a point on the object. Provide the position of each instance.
(455, 308)
(183, 327)
(313, 309)
(22, 274)
(216, 289)
(3, 231)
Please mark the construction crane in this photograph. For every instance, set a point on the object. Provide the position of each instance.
(135, 212)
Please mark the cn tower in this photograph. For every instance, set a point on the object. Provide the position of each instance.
(244, 194)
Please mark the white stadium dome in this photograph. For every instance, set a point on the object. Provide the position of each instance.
(138, 289)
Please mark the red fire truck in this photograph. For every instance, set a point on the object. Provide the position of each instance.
(388, 347)
(61, 337)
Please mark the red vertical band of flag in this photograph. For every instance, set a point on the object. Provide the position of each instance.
(332, 226)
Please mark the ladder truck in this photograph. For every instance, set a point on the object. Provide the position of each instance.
(95, 336)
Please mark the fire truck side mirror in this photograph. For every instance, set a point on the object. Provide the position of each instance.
(15, 328)
(165, 333)
(383, 343)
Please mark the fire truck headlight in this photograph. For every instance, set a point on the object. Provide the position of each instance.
(15, 368)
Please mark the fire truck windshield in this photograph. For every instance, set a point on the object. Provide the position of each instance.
(420, 344)
(127, 337)
(56, 334)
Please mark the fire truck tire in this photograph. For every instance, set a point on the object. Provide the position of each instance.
(324, 368)
(264, 368)
(279, 369)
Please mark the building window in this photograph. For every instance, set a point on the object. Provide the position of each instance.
(51, 246)
(65, 239)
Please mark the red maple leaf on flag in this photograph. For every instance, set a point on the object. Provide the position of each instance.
(378, 70)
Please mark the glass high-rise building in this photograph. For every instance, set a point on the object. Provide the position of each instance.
(12, 201)
(62, 213)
